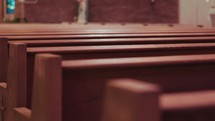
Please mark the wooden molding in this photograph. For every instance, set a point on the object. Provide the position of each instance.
(1, 11)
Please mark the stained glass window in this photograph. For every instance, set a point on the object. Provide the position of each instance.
(10, 6)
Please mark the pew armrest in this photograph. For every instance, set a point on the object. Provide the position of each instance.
(3, 85)
(131, 100)
(22, 114)
(190, 100)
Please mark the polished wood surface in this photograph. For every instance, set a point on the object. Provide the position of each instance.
(22, 114)
(16, 89)
(128, 99)
(47, 103)
(88, 77)
(177, 59)
(96, 52)
(4, 59)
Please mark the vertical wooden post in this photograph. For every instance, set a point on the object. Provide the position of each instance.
(46, 103)
(1, 111)
(1, 11)
(20, 8)
(130, 100)
(3, 100)
(3, 59)
(16, 79)
(22, 14)
(4, 9)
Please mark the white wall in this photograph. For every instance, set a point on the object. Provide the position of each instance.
(203, 12)
(187, 12)
(195, 12)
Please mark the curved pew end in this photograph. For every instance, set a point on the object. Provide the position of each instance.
(131, 100)
(3, 85)
(16, 83)
(3, 59)
(46, 102)
(22, 114)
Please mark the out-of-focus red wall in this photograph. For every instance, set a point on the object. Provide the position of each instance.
(54, 11)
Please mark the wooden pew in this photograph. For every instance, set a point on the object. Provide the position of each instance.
(117, 109)
(105, 35)
(85, 32)
(63, 42)
(144, 101)
(138, 101)
(3, 60)
(118, 40)
(45, 28)
(114, 41)
(4, 50)
(23, 58)
(131, 100)
(120, 35)
(133, 35)
(83, 81)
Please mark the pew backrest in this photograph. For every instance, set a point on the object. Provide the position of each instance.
(83, 81)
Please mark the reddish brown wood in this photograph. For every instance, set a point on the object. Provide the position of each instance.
(137, 48)
(131, 100)
(88, 77)
(3, 100)
(22, 114)
(189, 100)
(115, 41)
(3, 76)
(45, 31)
(16, 84)
(83, 81)
(3, 59)
(120, 92)
(89, 28)
(204, 65)
(90, 52)
(47, 105)
(98, 36)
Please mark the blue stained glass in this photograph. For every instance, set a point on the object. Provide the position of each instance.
(11, 6)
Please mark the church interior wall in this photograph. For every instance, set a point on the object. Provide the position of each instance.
(138, 11)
